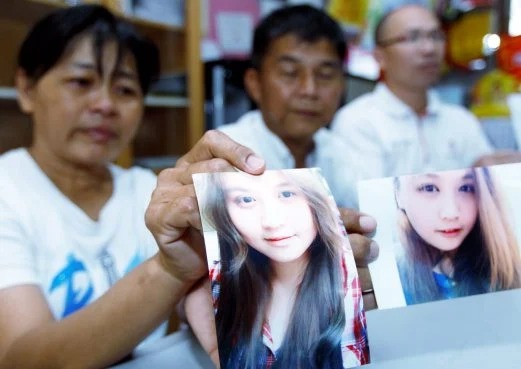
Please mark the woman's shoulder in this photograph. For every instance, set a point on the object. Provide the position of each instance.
(14, 158)
(19, 173)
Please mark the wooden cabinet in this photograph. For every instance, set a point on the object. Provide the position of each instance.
(171, 124)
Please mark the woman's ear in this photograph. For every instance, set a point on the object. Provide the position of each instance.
(24, 87)
(252, 84)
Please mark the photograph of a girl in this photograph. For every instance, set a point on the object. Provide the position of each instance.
(284, 281)
(456, 238)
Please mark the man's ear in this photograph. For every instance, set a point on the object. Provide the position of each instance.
(252, 84)
(379, 56)
(24, 87)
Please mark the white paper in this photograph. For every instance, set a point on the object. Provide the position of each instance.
(234, 31)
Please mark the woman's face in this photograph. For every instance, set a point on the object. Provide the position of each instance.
(271, 213)
(442, 207)
(80, 115)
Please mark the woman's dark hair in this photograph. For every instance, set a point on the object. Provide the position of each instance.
(306, 22)
(51, 37)
(313, 336)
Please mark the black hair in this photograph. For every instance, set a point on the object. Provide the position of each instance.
(313, 335)
(52, 36)
(306, 22)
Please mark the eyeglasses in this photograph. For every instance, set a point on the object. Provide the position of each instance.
(415, 37)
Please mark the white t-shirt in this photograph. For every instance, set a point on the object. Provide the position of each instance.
(330, 154)
(46, 240)
(387, 138)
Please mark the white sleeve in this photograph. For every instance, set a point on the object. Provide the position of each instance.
(17, 260)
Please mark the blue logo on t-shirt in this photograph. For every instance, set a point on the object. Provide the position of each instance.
(76, 296)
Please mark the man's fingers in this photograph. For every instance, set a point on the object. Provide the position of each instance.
(356, 222)
(180, 176)
(171, 211)
(365, 250)
(208, 166)
(367, 288)
(215, 144)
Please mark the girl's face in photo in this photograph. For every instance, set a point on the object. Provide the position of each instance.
(271, 213)
(442, 208)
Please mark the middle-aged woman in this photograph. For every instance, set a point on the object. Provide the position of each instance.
(71, 223)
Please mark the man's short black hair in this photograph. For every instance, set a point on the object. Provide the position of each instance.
(52, 36)
(306, 22)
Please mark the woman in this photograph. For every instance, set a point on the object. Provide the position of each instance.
(456, 237)
(72, 223)
(285, 289)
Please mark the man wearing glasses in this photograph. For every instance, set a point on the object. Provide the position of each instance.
(403, 127)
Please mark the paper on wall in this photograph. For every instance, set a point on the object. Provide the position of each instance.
(234, 31)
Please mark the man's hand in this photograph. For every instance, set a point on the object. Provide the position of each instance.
(173, 215)
(359, 227)
(499, 157)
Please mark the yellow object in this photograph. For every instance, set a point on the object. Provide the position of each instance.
(489, 95)
(122, 7)
(350, 12)
(465, 37)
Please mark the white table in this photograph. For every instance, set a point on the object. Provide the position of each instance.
(180, 350)
(477, 332)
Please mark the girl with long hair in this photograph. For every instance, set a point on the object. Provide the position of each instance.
(456, 237)
(285, 289)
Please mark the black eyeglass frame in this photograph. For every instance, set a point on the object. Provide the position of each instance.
(413, 37)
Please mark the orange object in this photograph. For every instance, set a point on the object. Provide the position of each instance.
(509, 55)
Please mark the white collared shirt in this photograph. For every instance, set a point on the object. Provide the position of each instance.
(387, 138)
(329, 154)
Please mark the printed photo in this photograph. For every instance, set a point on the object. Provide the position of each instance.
(284, 282)
(445, 235)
